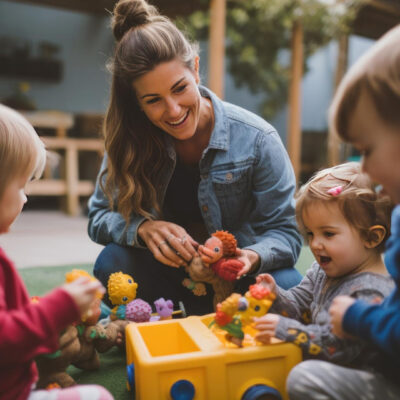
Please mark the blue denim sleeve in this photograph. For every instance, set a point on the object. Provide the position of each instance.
(379, 323)
(106, 225)
(273, 218)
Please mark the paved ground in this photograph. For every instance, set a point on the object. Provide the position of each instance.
(49, 238)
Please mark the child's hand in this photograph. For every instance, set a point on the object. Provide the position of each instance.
(337, 310)
(266, 325)
(250, 260)
(83, 291)
(267, 281)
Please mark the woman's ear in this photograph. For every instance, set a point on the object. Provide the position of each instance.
(375, 235)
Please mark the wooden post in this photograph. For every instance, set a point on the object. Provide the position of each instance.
(294, 122)
(341, 66)
(216, 57)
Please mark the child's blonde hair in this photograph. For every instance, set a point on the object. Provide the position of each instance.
(376, 74)
(353, 191)
(21, 150)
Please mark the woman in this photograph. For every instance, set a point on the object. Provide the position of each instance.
(181, 164)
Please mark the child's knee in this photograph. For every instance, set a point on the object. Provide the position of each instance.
(298, 384)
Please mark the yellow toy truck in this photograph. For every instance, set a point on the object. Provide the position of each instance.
(184, 359)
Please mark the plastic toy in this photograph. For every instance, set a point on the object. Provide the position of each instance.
(216, 252)
(122, 292)
(121, 288)
(214, 266)
(184, 359)
(164, 308)
(235, 314)
(78, 344)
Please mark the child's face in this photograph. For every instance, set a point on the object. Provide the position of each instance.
(336, 245)
(379, 144)
(12, 202)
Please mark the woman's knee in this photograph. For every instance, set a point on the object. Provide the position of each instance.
(113, 258)
(287, 277)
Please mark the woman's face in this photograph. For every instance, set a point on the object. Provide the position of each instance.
(379, 145)
(170, 98)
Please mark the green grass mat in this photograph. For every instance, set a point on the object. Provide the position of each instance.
(112, 373)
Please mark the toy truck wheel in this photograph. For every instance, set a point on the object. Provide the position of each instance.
(261, 392)
(130, 370)
(182, 390)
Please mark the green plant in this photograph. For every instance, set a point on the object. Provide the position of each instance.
(258, 39)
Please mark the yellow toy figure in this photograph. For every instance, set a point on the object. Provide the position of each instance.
(121, 291)
(235, 314)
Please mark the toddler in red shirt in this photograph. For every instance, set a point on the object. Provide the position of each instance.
(26, 329)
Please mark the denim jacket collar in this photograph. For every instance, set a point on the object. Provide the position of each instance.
(220, 134)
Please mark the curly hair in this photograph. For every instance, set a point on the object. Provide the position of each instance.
(358, 201)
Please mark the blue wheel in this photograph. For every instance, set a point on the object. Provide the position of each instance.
(261, 392)
(182, 390)
(130, 371)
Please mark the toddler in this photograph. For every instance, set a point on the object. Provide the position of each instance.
(366, 112)
(27, 329)
(346, 224)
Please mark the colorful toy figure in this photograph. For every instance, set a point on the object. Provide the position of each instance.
(79, 343)
(164, 308)
(121, 288)
(122, 292)
(217, 251)
(214, 266)
(237, 312)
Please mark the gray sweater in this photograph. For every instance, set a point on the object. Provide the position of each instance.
(305, 319)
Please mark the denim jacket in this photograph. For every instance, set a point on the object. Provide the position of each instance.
(247, 186)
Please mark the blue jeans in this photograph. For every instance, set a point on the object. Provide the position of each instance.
(157, 280)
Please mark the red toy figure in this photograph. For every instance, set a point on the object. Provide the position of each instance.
(216, 252)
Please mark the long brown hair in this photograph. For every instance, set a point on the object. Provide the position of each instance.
(135, 147)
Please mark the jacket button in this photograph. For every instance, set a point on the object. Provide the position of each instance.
(229, 176)
(205, 208)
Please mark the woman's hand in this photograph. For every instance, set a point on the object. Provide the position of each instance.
(169, 243)
(250, 259)
(266, 325)
(337, 310)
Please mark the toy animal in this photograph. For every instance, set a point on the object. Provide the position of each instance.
(122, 292)
(236, 313)
(214, 266)
(79, 344)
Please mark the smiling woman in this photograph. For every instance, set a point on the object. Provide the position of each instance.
(181, 164)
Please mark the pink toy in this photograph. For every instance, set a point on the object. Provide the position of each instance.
(138, 310)
(164, 308)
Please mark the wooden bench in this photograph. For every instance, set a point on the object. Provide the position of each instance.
(69, 185)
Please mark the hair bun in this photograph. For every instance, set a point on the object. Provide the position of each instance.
(129, 14)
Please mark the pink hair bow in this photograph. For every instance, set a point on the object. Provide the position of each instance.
(335, 191)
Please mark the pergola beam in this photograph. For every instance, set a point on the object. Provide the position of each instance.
(294, 121)
(216, 59)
